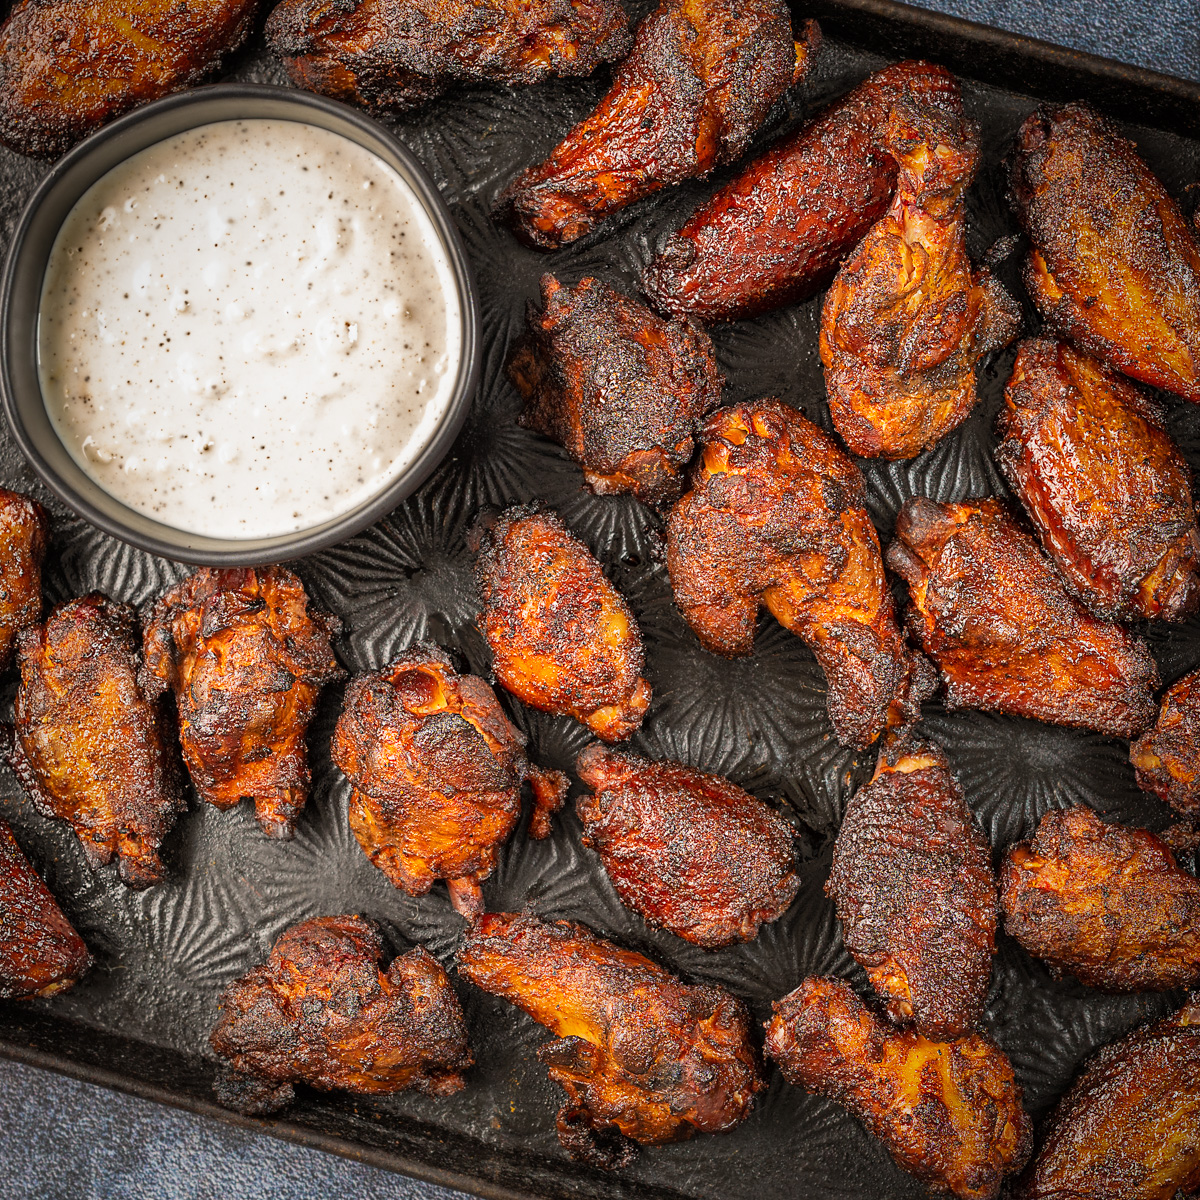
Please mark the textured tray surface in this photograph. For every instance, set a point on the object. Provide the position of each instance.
(144, 1012)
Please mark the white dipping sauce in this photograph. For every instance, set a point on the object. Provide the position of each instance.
(248, 329)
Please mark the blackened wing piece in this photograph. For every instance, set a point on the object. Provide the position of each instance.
(321, 1011)
(619, 387)
(246, 659)
(1115, 266)
(398, 54)
(1167, 757)
(24, 531)
(40, 953)
(913, 884)
(776, 518)
(774, 234)
(700, 79)
(91, 745)
(993, 614)
(691, 852)
(1108, 491)
(949, 1113)
(643, 1057)
(437, 770)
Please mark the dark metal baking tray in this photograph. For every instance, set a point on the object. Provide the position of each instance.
(139, 1021)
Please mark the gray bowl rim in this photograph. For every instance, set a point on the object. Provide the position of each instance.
(196, 549)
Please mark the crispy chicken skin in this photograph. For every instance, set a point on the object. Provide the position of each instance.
(775, 234)
(40, 953)
(1114, 267)
(1108, 491)
(991, 612)
(700, 79)
(691, 852)
(24, 531)
(398, 54)
(1126, 1130)
(90, 744)
(907, 318)
(619, 387)
(562, 637)
(642, 1056)
(1104, 903)
(246, 659)
(949, 1113)
(776, 517)
(320, 1011)
(437, 770)
(69, 66)
(913, 884)
(1167, 757)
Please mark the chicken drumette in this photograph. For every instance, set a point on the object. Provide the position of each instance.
(437, 770)
(24, 531)
(700, 79)
(619, 387)
(776, 517)
(320, 1011)
(642, 1056)
(949, 1113)
(91, 745)
(397, 54)
(691, 852)
(1167, 757)
(562, 638)
(991, 612)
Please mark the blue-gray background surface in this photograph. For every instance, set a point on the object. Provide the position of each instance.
(59, 1138)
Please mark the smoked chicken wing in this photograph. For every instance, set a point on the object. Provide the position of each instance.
(949, 1113)
(619, 387)
(776, 517)
(992, 613)
(24, 531)
(700, 79)
(69, 66)
(907, 319)
(562, 638)
(1104, 903)
(1167, 757)
(642, 1056)
(775, 234)
(691, 852)
(320, 1011)
(40, 953)
(246, 659)
(1114, 267)
(90, 744)
(914, 889)
(397, 54)
(437, 770)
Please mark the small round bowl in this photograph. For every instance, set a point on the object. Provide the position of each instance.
(20, 297)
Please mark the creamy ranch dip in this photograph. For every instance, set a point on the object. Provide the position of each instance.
(247, 329)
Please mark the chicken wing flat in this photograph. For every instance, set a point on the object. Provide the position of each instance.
(1126, 1130)
(666, 835)
(619, 387)
(776, 517)
(914, 889)
(437, 770)
(246, 659)
(1106, 488)
(991, 612)
(907, 318)
(1167, 757)
(1104, 903)
(949, 1113)
(69, 66)
(398, 54)
(774, 234)
(642, 1056)
(700, 79)
(24, 531)
(1114, 267)
(40, 953)
(320, 1011)
(563, 639)
(92, 746)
